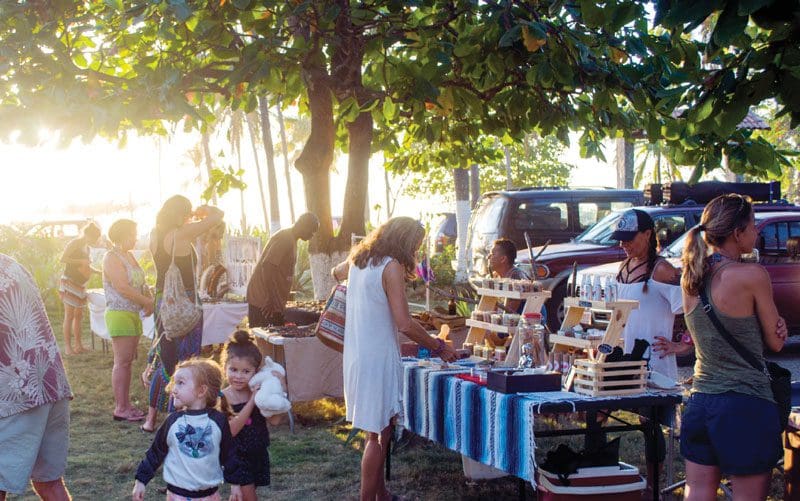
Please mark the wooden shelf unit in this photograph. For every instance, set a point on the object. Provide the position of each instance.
(575, 308)
(488, 302)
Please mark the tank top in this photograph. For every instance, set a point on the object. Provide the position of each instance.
(719, 368)
(116, 301)
(162, 260)
(75, 272)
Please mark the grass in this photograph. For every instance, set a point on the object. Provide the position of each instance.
(313, 463)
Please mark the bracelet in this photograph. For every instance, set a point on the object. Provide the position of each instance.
(686, 338)
(439, 349)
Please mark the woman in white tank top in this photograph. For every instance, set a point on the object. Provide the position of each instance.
(377, 310)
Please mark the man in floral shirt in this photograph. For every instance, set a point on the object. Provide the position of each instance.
(34, 392)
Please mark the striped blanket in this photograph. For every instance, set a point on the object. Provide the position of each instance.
(490, 427)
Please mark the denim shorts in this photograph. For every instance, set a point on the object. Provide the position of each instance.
(740, 434)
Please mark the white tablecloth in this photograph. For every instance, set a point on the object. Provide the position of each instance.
(219, 319)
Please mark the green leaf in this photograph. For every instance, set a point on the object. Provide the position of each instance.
(511, 36)
(593, 14)
(389, 109)
(761, 154)
(704, 110)
(115, 4)
(241, 4)
(182, 11)
(729, 25)
(747, 7)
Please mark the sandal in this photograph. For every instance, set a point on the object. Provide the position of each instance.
(130, 417)
(146, 430)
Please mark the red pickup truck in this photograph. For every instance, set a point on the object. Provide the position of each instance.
(776, 249)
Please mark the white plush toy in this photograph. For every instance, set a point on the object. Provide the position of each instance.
(270, 397)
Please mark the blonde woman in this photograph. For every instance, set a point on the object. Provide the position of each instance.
(377, 310)
(730, 425)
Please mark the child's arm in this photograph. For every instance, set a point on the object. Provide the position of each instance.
(138, 491)
(238, 421)
(232, 470)
(236, 493)
(154, 457)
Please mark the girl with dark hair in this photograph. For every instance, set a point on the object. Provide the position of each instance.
(730, 424)
(241, 359)
(72, 287)
(177, 226)
(377, 311)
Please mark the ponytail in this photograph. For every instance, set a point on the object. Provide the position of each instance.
(694, 262)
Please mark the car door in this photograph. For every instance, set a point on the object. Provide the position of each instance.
(784, 271)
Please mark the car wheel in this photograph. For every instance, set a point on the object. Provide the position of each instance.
(555, 307)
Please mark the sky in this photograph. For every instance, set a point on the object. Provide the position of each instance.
(102, 181)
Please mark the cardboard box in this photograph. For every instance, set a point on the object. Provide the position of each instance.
(508, 381)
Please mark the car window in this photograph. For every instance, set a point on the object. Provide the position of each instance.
(775, 235)
(601, 232)
(591, 212)
(540, 216)
(487, 216)
(668, 228)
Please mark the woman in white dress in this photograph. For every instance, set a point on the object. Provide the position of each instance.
(377, 311)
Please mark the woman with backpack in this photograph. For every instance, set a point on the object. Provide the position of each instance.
(177, 227)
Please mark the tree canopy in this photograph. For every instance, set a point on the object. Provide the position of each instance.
(374, 74)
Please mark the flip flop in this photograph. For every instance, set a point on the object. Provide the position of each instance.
(145, 430)
(133, 418)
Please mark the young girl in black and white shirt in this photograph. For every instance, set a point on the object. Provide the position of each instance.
(194, 443)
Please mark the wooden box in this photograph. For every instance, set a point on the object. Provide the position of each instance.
(507, 381)
(598, 379)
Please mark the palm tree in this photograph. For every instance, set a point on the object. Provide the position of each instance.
(285, 150)
(252, 127)
(663, 170)
(272, 180)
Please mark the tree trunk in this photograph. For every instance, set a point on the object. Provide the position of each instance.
(509, 182)
(285, 148)
(253, 133)
(272, 179)
(388, 194)
(360, 134)
(206, 139)
(314, 164)
(624, 163)
(461, 180)
(474, 185)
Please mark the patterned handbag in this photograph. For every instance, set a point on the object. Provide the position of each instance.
(330, 328)
(178, 313)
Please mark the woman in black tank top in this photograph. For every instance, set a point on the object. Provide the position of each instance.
(177, 226)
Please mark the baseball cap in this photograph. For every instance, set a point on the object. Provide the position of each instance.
(630, 223)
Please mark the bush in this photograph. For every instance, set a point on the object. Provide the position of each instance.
(443, 273)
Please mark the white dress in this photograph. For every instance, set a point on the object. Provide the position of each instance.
(654, 317)
(372, 369)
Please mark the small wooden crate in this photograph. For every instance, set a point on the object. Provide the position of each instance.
(598, 379)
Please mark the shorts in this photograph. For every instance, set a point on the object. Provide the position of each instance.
(171, 496)
(34, 445)
(739, 433)
(121, 323)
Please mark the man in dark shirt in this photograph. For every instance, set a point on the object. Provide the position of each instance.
(272, 278)
(501, 262)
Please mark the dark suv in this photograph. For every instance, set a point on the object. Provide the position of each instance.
(595, 246)
(546, 214)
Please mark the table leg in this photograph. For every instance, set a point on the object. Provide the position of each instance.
(655, 429)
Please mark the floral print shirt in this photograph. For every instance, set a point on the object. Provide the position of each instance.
(31, 370)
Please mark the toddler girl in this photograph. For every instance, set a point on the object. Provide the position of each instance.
(242, 359)
(194, 443)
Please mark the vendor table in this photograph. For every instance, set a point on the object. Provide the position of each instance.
(313, 370)
(219, 319)
(497, 429)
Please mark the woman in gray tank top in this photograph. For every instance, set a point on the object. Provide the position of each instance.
(730, 425)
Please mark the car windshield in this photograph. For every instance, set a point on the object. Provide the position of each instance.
(675, 248)
(600, 232)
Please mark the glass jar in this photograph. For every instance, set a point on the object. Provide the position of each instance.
(532, 342)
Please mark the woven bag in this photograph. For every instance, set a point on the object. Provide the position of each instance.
(178, 313)
(330, 328)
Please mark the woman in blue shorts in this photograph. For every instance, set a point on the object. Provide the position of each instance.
(730, 425)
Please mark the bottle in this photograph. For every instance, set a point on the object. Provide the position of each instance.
(585, 293)
(451, 306)
(597, 289)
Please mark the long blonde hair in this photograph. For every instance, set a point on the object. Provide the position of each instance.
(721, 217)
(398, 238)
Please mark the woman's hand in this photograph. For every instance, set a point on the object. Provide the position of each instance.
(148, 308)
(138, 491)
(664, 347)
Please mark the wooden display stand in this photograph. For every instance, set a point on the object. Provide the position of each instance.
(600, 379)
(489, 299)
(575, 308)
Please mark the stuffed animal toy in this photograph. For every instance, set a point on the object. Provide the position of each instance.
(270, 397)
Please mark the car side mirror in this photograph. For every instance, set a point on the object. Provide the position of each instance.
(753, 257)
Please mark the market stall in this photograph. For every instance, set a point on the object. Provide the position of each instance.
(219, 318)
(497, 429)
(313, 371)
